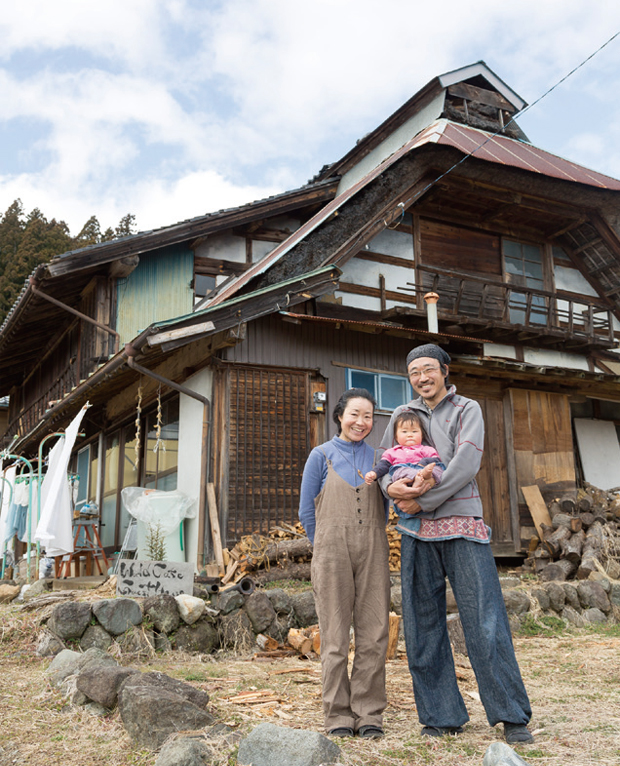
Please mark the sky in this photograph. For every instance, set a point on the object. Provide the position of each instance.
(171, 109)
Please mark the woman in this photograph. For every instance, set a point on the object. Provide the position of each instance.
(345, 520)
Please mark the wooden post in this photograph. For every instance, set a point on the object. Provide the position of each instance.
(393, 636)
(215, 528)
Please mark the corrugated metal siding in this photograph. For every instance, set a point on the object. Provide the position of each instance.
(272, 341)
(159, 288)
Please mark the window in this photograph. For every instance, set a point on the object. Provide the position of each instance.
(390, 391)
(523, 265)
(161, 465)
(204, 284)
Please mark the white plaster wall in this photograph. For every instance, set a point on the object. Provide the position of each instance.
(573, 281)
(362, 272)
(499, 350)
(390, 242)
(359, 301)
(260, 248)
(392, 143)
(190, 447)
(225, 247)
(549, 358)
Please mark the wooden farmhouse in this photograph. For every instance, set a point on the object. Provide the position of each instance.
(241, 328)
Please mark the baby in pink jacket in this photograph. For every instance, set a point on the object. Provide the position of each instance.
(411, 458)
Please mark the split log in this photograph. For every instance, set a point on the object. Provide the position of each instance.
(554, 508)
(541, 559)
(394, 627)
(554, 542)
(584, 504)
(298, 640)
(290, 572)
(568, 505)
(591, 554)
(266, 643)
(282, 550)
(573, 547)
(561, 520)
(455, 633)
(558, 570)
(314, 634)
(587, 519)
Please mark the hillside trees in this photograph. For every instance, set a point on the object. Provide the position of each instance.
(27, 240)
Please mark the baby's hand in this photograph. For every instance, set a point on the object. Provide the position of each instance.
(370, 477)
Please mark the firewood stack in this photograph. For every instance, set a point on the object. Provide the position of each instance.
(394, 542)
(584, 537)
(285, 554)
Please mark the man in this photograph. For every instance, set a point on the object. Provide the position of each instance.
(443, 535)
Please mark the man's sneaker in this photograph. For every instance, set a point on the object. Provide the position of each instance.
(517, 734)
(441, 731)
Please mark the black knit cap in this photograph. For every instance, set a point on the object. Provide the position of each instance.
(428, 349)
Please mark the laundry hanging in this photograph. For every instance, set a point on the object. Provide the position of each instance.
(54, 530)
(7, 503)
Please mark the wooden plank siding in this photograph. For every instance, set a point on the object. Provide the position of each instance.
(542, 444)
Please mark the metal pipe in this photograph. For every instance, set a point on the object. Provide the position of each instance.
(130, 352)
(117, 337)
(431, 312)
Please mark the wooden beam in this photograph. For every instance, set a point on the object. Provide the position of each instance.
(481, 95)
(216, 535)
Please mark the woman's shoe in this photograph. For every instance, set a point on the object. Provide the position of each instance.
(370, 732)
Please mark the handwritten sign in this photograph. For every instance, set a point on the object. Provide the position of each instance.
(153, 578)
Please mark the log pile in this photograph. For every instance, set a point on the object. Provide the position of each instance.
(393, 541)
(584, 537)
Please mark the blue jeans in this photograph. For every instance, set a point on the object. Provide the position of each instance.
(471, 570)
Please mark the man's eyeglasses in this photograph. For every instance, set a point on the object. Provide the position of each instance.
(415, 374)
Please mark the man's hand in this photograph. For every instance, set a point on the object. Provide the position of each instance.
(405, 494)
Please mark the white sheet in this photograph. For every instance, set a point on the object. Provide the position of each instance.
(599, 450)
(54, 530)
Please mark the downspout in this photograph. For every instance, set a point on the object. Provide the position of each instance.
(130, 353)
(35, 290)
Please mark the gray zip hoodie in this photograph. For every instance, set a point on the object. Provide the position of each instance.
(456, 430)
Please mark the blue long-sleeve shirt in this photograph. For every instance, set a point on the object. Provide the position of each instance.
(347, 459)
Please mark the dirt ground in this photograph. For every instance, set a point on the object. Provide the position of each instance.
(573, 678)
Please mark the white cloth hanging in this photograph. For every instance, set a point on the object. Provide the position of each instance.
(6, 500)
(54, 530)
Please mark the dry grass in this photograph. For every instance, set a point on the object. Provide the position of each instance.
(573, 680)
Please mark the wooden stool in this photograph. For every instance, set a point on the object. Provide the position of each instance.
(88, 547)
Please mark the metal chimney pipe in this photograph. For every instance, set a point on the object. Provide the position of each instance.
(431, 312)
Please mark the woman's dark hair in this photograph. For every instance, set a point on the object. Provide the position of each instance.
(409, 416)
(351, 393)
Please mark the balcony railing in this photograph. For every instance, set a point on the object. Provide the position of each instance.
(510, 307)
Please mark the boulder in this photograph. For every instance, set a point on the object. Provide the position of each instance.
(49, 645)
(70, 619)
(571, 595)
(101, 684)
(592, 596)
(64, 664)
(270, 745)
(501, 754)
(116, 615)
(95, 637)
(94, 658)
(557, 595)
(396, 599)
(614, 593)
(573, 616)
(541, 595)
(190, 608)
(280, 600)
(184, 752)
(229, 600)
(517, 602)
(38, 588)
(8, 593)
(280, 627)
(305, 609)
(152, 706)
(593, 615)
(202, 637)
(260, 611)
(163, 612)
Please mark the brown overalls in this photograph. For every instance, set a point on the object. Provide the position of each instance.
(350, 576)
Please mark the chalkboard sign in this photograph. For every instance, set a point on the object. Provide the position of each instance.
(153, 578)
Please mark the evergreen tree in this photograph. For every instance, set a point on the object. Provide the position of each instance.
(29, 240)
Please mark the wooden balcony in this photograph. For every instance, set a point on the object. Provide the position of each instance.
(500, 310)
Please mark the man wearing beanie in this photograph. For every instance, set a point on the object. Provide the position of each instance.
(445, 536)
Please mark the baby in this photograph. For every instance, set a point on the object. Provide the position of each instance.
(410, 459)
